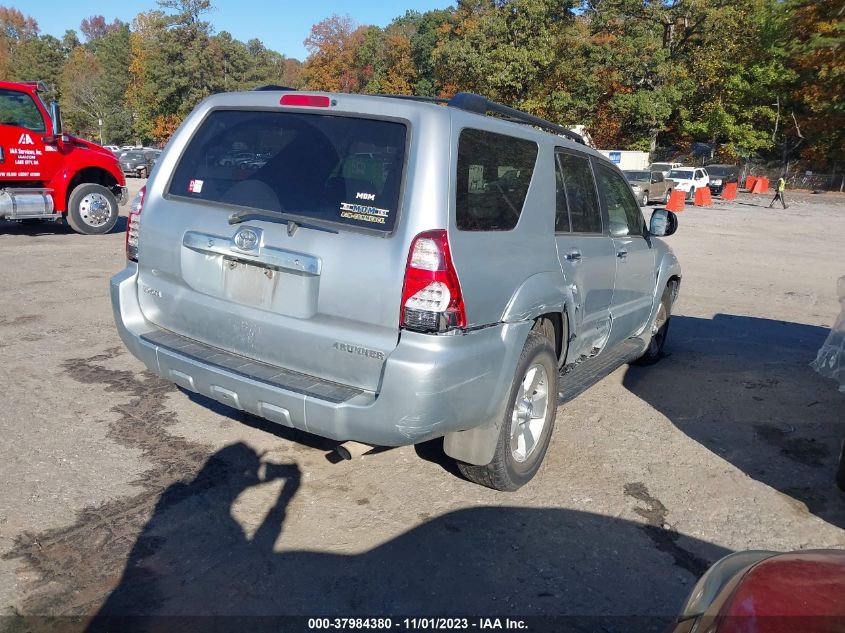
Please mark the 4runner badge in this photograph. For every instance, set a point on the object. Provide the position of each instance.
(357, 349)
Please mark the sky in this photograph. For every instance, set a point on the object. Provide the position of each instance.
(282, 26)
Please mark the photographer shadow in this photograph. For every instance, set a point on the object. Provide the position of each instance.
(194, 558)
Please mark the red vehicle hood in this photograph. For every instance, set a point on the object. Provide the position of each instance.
(83, 144)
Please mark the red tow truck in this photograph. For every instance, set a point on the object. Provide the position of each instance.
(46, 174)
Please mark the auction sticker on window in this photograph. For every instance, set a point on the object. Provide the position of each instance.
(363, 213)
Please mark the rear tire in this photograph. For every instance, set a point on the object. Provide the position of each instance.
(660, 330)
(92, 209)
(525, 435)
(667, 196)
(644, 199)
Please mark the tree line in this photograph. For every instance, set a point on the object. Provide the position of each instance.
(120, 83)
(738, 78)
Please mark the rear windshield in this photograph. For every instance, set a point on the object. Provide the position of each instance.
(336, 169)
(637, 175)
(132, 156)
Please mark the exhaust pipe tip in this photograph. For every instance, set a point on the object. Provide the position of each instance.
(350, 450)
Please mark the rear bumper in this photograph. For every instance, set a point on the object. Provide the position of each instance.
(431, 385)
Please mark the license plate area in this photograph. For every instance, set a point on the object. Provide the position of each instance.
(249, 284)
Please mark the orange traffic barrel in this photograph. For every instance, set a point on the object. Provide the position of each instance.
(702, 197)
(676, 201)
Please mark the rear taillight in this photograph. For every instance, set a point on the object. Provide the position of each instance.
(431, 297)
(133, 225)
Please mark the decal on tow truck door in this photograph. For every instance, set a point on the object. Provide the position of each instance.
(25, 158)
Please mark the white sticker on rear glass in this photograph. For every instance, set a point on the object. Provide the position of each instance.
(195, 186)
(476, 178)
(363, 213)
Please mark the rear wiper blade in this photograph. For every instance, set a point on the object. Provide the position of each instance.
(243, 216)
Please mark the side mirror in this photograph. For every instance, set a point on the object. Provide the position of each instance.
(663, 223)
(56, 118)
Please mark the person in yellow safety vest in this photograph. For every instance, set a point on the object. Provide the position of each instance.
(780, 187)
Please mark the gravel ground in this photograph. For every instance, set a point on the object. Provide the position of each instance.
(122, 493)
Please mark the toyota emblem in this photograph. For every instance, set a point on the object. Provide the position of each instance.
(246, 239)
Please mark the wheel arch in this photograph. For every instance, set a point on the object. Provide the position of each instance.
(668, 272)
(93, 175)
(544, 295)
(549, 295)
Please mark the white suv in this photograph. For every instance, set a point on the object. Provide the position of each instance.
(690, 179)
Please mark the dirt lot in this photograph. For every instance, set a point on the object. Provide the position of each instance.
(115, 480)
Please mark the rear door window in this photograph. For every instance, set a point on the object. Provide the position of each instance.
(494, 171)
(579, 189)
(336, 169)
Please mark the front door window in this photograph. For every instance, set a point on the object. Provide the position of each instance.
(18, 109)
(623, 211)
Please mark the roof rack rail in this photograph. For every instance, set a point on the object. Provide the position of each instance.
(482, 105)
(273, 87)
(440, 100)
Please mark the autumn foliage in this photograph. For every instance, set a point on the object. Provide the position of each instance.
(741, 78)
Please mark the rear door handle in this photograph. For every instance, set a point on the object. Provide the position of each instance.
(622, 254)
(574, 256)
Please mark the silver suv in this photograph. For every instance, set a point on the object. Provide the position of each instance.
(394, 270)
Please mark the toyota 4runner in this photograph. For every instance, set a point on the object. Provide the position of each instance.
(393, 270)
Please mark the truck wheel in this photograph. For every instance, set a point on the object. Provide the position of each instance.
(530, 417)
(644, 199)
(142, 172)
(92, 209)
(667, 196)
(659, 331)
